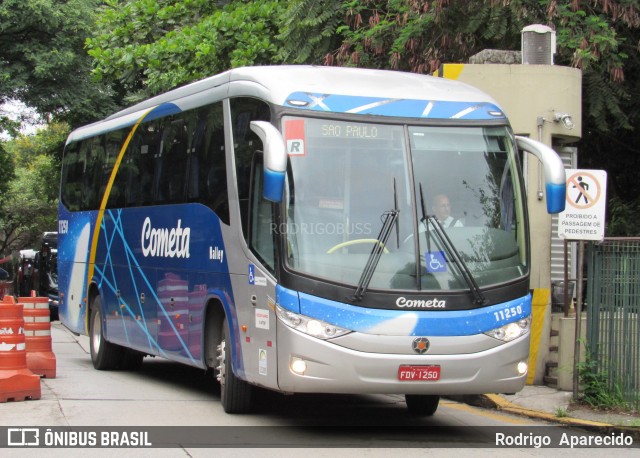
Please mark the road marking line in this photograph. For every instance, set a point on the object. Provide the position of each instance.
(484, 413)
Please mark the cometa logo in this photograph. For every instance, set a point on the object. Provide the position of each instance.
(165, 242)
(403, 302)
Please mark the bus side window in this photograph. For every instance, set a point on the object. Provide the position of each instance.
(261, 216)
(171, 162)
(197, 135)
(113, 144)
(139, 165)
(127, 178)
(208, 179)
(93, 151)
(245, 142)
(72, 177)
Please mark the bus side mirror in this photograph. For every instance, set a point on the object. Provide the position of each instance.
(554, 174)
(275, 159)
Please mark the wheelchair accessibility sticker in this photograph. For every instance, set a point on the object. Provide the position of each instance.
(255, 276)
(436, 261)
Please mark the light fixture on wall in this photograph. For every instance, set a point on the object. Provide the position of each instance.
(565, 119)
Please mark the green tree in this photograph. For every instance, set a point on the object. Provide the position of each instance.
(308, 30)
(150, 46)
(28, 212)
(7, 169)
(44, 63)
(28, 201)
(49, 141)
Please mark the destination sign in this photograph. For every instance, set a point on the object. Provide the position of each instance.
(333, 129)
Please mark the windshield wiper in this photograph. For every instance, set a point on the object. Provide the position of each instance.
(390, 218)
(395, 207)
(478, 298)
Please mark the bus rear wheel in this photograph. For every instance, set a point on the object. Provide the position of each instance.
(104, 355)
(422, 404)
(236, 395)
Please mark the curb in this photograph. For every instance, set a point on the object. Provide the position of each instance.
(497, 402)
(501, 403)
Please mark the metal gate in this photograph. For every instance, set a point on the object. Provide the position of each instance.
(613, 308)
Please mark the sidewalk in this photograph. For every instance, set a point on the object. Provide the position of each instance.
(545, 403)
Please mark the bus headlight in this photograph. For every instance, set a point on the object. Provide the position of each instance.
(511, 331)
(311, 326)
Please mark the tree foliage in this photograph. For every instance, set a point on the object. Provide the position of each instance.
(7, 169)
(28, 201)
(419, 36)
(27, 211)
(43, 60)
(149, 46)
(309, 29)
(49, 141)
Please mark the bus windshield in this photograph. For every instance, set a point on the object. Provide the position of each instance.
(456, 191)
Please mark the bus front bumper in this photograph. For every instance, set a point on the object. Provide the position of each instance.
(331, 368)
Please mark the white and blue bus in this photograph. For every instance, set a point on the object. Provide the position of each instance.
(279, 226)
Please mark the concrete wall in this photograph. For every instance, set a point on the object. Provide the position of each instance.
(529, 94)
(566, 353)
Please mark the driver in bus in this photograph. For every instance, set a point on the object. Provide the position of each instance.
(441, 208)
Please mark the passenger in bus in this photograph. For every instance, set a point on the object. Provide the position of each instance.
(441, 208)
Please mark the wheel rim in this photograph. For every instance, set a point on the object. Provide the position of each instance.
(96, 335)
(221, 376)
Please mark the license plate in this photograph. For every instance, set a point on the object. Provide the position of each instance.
(419, 373)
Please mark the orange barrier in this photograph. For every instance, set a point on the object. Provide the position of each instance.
(37, 331)
(17, 382)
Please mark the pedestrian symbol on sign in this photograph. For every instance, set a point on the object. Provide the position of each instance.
(582, 193)
(583, 190)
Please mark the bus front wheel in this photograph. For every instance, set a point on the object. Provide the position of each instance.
(104, 355)
(422, 404)
(235, 394)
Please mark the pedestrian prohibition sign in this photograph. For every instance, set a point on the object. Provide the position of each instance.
(584, 214)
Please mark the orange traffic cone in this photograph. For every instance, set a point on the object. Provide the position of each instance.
(17, 382)
(37, 331)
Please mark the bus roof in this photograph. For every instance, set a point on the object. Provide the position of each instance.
(354, 90)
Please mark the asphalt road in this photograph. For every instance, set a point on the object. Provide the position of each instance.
(179, 410)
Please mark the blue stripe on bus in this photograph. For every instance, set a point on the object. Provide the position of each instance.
(165, 109)
(408, 322)
(424, 109)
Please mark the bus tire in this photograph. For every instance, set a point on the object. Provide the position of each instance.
(422, 404)
(104, 355)
(236, 395)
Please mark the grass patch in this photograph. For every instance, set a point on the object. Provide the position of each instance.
(598, 391)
